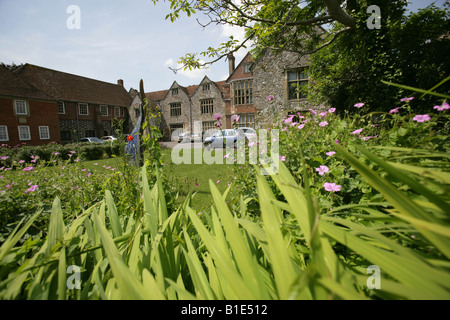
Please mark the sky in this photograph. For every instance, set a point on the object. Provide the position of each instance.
(109, 40)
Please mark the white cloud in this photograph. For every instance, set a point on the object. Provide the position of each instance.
(238, 33)
(169, 62)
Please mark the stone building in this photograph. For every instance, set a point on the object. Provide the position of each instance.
(258, 91)
(282, 76)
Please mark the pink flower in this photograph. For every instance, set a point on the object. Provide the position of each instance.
(323, 124)
(336, 141)
(406, 99)
(366, 138)
(301, 126)
(359, 105)
(293, 124)
(445, 106)
(322, 170)
(4, 158)
(358, 131)
(395, 110)
(218, 181)
(421, 118)
(72, 151)
(312, 111)
(227, 155)
(331, 187)
(323, 114)
(95, 164)
(330, 153)
(270, 97)
(235, 118)
(282, 158)
(289, 119)
(217, 116)
(28, 169)
(32, 189)
(218, 124)
(21, 161)
(331, 110)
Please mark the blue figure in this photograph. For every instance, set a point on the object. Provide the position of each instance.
(133, 144)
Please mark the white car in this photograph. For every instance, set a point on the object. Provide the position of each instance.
(249, 133)
(184, 137)
(108, 138)
(221, 138)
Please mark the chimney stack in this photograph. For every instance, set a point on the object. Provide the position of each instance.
(231, 63)
(120, 82)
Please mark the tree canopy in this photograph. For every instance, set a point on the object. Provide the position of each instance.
(349, 55)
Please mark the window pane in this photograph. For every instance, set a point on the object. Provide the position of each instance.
(44, 133)
(21, 107)
(61, 109)
(24, 133)
(4, 133)
(292, 76)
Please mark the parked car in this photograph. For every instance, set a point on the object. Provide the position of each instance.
(249, 133)
(108, 138)
(196, 137)
(220, 139)
(91, 140)
(184, 137)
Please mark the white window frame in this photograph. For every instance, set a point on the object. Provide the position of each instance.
(79, 109)
(101, 111)
(117, 111)
(44, 135)
(5, 133)
(61, 103)
(21, 138)
(26, 107)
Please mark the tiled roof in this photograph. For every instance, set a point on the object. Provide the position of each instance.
(156, 95)
(11, 85)
(69, 87)
(189, 90)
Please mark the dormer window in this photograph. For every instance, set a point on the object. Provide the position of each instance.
(206, 87)
(174, 91)
(21, 107)
(247, 67)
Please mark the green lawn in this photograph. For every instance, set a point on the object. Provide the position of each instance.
(186, 177)
(195, 177)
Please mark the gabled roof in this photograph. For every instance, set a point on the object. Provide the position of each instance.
(156, 95)
(69, 87)
(189, 90)
(219, 85)
(239, 64)
(12, 85)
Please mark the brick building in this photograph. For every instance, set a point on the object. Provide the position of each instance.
(46, 105)
(27, 115)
